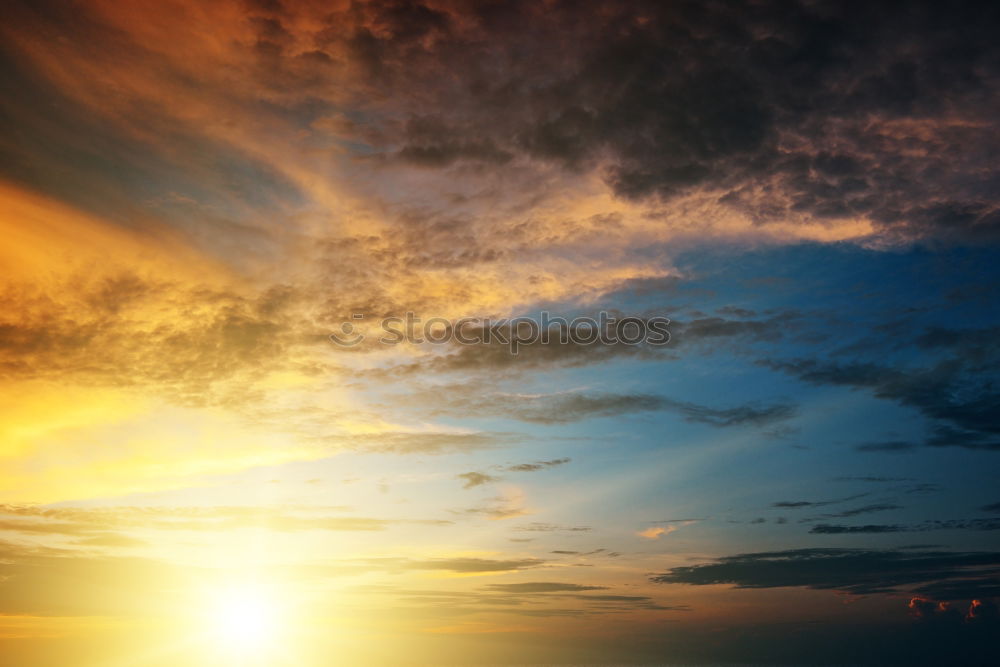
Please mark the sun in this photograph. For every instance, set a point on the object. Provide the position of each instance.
(243, 618)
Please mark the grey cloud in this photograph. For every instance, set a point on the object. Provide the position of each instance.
(417, 442)
(873, 479)
(858, 571)
(799, 504)
(470, 565)
(827, 529)
(100, 523)
(542, 587)
(957, 395)
(948, 524)
(790, 109)
(550, 528)
(570, 407)
(474, 479)
(886, 446)
(537, 465)
(856, 511)
(531, 599)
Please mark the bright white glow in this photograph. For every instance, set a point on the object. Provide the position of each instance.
(243, 618)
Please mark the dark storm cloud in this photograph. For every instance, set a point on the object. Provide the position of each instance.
(858, 571)
(821, 109)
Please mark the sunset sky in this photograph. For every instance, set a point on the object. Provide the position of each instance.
(195, 195)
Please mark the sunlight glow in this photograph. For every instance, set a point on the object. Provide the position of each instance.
(244, 618)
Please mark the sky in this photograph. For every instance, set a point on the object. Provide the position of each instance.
(213, 454)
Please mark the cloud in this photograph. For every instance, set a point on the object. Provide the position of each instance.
(827, 529)
(886, 446)
(542, 587)
(725, 115)
(567, 407)
(550, 528)
(800, 504)
(856, 571)
(471, 565)
(508, 505)
(656, 532)
(949, 524)
(493, 354)
(496, 356)
(98, 524)
(416, 442)
(537, 465)
(474, 479)
(106, 585)
(594, 552)
(37, 582)
(530, 599)
(653, 532)
(863, 148)
(956, 395)
(866, 509)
